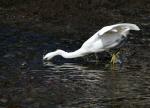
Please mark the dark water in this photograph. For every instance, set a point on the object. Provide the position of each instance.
(27, 82)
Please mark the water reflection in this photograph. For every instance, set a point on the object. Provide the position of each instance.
(84, 86)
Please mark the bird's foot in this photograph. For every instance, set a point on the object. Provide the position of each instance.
(115, 58)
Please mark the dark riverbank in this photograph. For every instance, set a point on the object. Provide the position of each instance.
(73, 16)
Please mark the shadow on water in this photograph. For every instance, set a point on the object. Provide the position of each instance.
(27, 82)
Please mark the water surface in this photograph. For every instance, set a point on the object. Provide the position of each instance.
(28, 82)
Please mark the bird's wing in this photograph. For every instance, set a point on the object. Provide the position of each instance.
(109, 34)
(123, 27)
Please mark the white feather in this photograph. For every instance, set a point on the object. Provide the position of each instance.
(106, 38)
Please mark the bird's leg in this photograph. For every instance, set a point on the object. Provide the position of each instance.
(115, 57)
(96, 57)
(86, 58)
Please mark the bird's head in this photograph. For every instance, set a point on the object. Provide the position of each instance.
(50, 55)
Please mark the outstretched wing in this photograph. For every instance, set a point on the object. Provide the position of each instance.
(109, 36)
(114, 34)
(120, 28)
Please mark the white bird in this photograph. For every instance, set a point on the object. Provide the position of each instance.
(105, 39)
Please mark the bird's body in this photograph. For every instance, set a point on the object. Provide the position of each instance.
(105, 39)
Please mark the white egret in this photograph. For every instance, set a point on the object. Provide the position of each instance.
(106, 38)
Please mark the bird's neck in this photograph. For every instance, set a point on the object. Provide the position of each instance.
(77, 53)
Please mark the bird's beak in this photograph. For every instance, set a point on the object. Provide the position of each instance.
(45, 58)
(137, 28)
